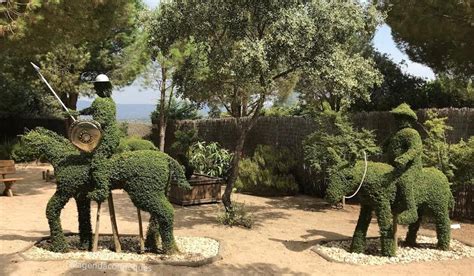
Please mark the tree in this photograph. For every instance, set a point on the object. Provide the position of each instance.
(14, 14)
(345, 77)
(438, 33)
(242, 48)
(398, 87)
(164, 61)
(73, 41)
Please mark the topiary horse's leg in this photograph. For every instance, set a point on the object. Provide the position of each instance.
(358, 239)
(85, 228)
(153, 234)
(443, 228)
(164, 212)
(53, 212)
(385, 221)
(413, 231)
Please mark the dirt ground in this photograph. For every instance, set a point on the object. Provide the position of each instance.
(286, 228)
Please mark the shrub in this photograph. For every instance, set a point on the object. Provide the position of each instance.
(237, 216)
(268, 172)
(123, 128)
(17, 151)
(462, 158)
(135, 143)
(209, 159)
(6, 149)
(436, 151)
(334, 144)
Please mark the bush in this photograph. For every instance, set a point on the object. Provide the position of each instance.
(237, 216)
(17, 151)
(455, 161)
(267, 173)
(335, 143)
(462, 158)
(6, 150)
(209, 159)
(436, 151)
(135, 143)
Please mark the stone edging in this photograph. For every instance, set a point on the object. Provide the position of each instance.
(198, 263)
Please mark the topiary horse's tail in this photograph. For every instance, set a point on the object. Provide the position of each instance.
(177, 174)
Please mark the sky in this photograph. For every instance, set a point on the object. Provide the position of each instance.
(383, 42)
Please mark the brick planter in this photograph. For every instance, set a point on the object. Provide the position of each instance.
(206, 189)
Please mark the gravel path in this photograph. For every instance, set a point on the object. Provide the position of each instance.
(193, 250)
(338, 251)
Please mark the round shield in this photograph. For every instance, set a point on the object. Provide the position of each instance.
(85, 135)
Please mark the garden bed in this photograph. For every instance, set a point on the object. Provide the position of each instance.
(338, 251)
(205, 189)
(195, 251)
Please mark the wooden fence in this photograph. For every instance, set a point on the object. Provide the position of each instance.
(464, 203)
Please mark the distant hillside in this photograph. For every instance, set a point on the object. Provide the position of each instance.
(128, 112)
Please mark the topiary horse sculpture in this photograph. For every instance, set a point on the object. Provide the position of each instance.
(144, 175)
(379, 193)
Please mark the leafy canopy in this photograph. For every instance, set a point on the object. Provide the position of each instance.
(73, 41)
(242, 48)
(438, 33)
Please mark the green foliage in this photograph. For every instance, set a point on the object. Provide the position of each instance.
(135, 143)
(123, 128)
(242, 50)
(437, 33)
(335, 143)
(178, 110)
(98, 37)
(379, 194)
(344, 78)
(436, 151)
(184, 140)
(268, 172)
(209, 159)
(282, 111)
(398, 87)
(6, 149)
(18, 151)
(237, 216)
(462, 158)
(22, 153)
(144, 175)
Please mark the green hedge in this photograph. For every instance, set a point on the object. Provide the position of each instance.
(268, 172)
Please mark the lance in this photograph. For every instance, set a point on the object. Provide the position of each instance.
(52, 90)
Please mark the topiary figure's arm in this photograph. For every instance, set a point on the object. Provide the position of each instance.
(414, 151)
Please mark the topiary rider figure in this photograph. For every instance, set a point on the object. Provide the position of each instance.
(103, 111)
(404, 154)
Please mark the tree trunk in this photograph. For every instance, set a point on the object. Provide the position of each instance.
(234, 170)
(244, 128)
(162, 130)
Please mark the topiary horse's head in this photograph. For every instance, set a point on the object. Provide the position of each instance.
(48, 144)
(341, 183)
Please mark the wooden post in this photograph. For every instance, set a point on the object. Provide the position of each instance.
(394, 230)
(95, 244)
(140, 231)
(343, 202)
(113, 220)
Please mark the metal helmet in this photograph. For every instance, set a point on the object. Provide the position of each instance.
(101, 78)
